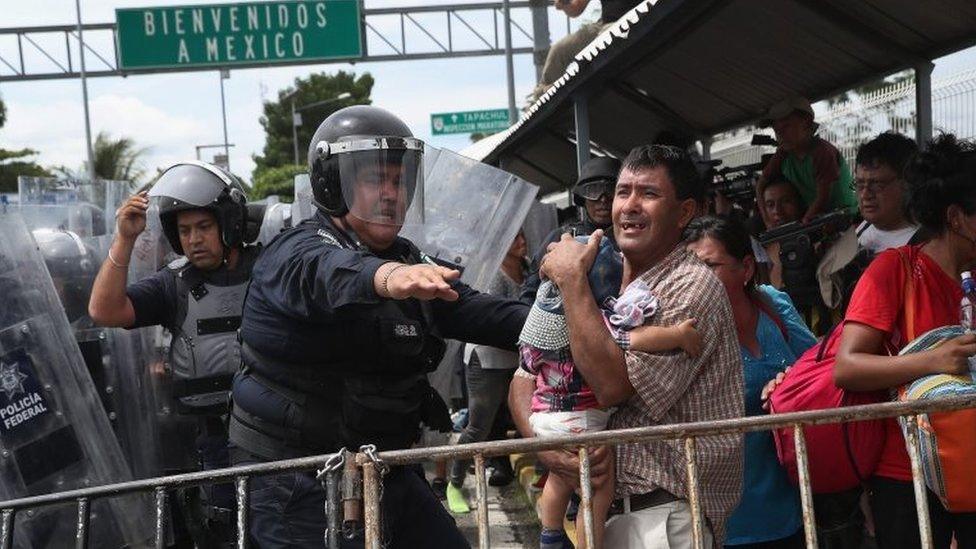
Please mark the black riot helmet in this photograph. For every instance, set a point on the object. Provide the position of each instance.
(193, 185)
(73, 264)
(364, 161)
(598, 176)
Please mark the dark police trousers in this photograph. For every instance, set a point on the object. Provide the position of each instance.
(289, 511)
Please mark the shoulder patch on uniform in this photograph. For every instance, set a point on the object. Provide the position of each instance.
(178, 263)
(328, 237)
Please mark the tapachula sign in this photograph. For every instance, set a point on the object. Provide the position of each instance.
(232, 34)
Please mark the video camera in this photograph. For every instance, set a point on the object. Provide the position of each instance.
(800, 251)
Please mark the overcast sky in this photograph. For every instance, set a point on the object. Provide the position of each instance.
(171, 113)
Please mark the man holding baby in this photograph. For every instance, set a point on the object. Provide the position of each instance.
(656, 196)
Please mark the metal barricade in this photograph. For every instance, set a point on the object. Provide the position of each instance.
(373, 465)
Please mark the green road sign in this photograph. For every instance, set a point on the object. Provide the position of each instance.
(251, 33)
(490, 121)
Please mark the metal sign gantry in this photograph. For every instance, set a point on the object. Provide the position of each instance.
(389, 34)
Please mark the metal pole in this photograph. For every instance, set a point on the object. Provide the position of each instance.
(694, 498)
(540, 34)
(923, 103)
(706, 143)
(242, 487)
(84, 96)
(223, 110)
(806, 493)
(294, 129)
(509, 63)
(586, 497)
(918, 482)
(371, 505)
(582, 113)
(484, 539)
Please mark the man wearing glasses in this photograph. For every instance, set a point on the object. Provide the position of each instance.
(882, 192)
(593, 194)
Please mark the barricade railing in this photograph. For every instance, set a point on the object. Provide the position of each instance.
(343, 467)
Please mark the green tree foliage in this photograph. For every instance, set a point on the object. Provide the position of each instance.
(277, 120)
(15, 163)
(275, 181)
(116, 159)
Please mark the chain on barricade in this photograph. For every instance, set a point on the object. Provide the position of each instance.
(332, 473)
(369, 450)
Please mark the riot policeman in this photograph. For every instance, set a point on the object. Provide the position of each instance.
(198, 298)
(593, 195)
(342, 323)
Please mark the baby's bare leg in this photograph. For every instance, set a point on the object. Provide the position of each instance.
(553, 502)
(602, 498)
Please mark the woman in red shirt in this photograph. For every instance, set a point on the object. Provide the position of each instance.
(944, 201)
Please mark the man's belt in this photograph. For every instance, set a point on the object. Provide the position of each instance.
(630, 504)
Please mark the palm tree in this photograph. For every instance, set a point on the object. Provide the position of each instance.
(117, 159)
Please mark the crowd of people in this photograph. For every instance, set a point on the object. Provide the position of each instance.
(653, 308)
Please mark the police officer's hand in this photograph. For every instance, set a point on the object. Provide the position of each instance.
(569, 258)
(401, 281)
(131, 217)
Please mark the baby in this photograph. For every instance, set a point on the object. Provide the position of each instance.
(563, 403)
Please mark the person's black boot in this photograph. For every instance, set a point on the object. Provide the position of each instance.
(501, 472)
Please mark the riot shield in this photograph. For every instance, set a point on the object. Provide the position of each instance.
(541, 221)
(302, 207)
(100, 198)
(112, 356)
(151, 253)
(472, 213)
(277, 218)
(54, 432)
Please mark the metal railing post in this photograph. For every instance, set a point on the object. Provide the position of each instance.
(586, 497)
(242, 486)
(160, 518)
(806, 492)
(697, 524)
(484, 537)
(921, 491)
(7, 529)
(81, 528)
(371, 504)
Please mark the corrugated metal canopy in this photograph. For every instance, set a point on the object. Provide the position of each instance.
(704, 66)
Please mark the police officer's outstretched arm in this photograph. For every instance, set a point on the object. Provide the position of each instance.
(109, 305)
(426, 282)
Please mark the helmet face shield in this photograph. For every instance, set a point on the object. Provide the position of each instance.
(379, 185)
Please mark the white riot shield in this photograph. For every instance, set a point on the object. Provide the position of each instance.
(54, 432)
(302, 208)
(472, 212)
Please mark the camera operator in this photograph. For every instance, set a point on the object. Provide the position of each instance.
(817, 169)
(783, 205)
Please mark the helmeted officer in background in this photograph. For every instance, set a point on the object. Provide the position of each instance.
(197, 297)
(342, 323)
(593, 195)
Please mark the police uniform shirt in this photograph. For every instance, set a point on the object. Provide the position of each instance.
(306, 293)
(154, 298)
